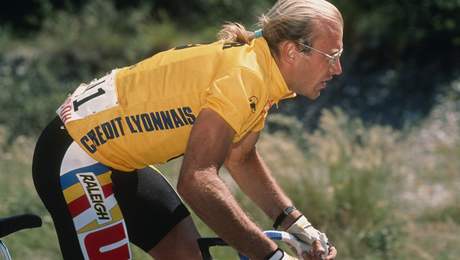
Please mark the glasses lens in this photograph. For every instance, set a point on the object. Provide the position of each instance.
(335, 57)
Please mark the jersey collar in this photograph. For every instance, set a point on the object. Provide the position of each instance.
(278, 89)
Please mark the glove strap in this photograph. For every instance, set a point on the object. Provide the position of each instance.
(278, 254)
(282, 216)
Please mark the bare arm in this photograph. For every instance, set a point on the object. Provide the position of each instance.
(201, 187)
(253, 176)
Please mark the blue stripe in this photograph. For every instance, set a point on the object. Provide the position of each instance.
(70, 178)
(274, 235)
(243, 257)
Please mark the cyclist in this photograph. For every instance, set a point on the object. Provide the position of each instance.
(206, 102)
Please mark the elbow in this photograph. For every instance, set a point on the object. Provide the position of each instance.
(187, 186)
(236, 160)
(193, 185)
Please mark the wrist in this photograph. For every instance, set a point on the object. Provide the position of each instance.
(291, 219)
(286, 217)
(266, 249)
(282, 216)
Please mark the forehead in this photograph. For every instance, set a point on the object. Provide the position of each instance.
(329, 36)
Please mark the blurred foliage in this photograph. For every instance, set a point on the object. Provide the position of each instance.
(378, 192)
(398, 56)
(343, 186)
(37, 73)
(29, 16)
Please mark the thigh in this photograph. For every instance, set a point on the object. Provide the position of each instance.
(95, 209)
(179, 243)
(149, 205)
(48, 154)
(77, 191)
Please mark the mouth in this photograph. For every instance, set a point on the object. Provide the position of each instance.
(324, 83)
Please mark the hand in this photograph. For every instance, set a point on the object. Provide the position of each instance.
(304, 231)
(317, 252)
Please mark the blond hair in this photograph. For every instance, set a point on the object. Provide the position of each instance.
(293, 20)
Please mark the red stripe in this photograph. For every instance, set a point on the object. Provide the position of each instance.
(107, 189)
(78, 206)
(65, 115)
(65, 110)
(65, 119)
(81, 204)
(107, 236)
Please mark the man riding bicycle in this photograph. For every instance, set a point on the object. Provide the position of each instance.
(205, 102)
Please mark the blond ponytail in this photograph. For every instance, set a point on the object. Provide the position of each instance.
(293, 20)
(235, 32)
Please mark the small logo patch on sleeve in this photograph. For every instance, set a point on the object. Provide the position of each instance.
(253, 103)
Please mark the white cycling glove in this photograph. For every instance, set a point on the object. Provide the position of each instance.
(281, 255)
(304, 231)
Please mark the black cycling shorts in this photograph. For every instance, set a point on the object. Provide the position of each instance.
(96, 210)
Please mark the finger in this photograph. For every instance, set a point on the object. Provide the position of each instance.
(306, 256)
(317, 248)
(332, 253)
(310, 256)
(315, 253)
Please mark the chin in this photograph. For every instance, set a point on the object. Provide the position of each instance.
(312, 96)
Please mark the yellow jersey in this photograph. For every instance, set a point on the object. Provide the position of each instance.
(142, 114)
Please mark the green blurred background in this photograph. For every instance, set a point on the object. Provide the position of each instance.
(374, 162)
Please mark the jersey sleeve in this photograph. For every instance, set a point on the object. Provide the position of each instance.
(259, 125)
(229, 96)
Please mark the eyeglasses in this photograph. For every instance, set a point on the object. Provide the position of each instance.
(332, 58)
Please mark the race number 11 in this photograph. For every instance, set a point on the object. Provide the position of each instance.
(89, 99)
(78, 102)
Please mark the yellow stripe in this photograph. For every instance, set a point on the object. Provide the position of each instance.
(76, 191)
(115, 212)
(104, 178)
(73, 192)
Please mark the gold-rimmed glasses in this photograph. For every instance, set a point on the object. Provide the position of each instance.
(332, 58)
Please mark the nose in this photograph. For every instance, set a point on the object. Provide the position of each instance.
(336, 69)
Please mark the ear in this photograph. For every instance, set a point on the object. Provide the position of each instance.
(287, 52)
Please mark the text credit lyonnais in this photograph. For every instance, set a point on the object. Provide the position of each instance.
(140, 123)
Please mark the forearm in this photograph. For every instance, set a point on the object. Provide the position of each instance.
(255, 179)
(211, 200)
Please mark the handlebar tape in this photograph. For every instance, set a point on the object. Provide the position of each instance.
(13, 224)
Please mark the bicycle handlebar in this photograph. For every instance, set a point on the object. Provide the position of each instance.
(12, 224)
(298, 245)
(205, 243)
